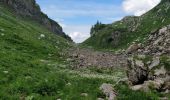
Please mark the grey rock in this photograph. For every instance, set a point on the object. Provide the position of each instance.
(100, 99)
(137, 73)
(108, 90)
(136, 87)
(84, 94)
(139, 63)
(134, 47)
(159, 72)
(155, 62)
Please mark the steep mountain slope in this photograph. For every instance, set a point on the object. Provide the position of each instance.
(29, 9)
(122, 33)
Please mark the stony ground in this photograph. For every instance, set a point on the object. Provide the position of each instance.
(89, 58)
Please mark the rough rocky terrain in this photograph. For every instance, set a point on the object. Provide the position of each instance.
(158, 43)
(89, 58)
(148, 68)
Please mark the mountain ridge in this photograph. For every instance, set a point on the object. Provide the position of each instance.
(130, 29)
(30, 9)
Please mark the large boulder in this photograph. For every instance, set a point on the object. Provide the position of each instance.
(149, 85)
(108, 90)
(146, 76)
(132, 48)
(137, 72)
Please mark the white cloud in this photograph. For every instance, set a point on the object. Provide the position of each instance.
(78, 33)
(139, 7)
(79, 37)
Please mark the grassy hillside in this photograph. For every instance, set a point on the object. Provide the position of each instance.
(33, 66)
(122, 33)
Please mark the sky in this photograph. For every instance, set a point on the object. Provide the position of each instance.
(77, 16)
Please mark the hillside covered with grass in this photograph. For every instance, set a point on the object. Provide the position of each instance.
(120, 34)
(35, 63)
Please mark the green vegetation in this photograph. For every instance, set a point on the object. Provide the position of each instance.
(33, 66)
(126, 94)
(165, 60)
(129, 29)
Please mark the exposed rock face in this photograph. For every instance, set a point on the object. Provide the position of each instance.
(29, 8)
(156, 47)
(158, 43)
(146, 78)
(137, 72)
(132, 22)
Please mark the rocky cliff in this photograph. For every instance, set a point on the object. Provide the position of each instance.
(150, 62)
(29, 8)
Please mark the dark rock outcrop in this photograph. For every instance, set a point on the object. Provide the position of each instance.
(137, 72)
(29, 8)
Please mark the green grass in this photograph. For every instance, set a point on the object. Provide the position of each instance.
(36, 69)
(165, 60)
(146, 23)
(126, 94)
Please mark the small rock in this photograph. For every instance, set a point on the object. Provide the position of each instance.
(84, 94)
(68, 84)
(100, 99)
(161, 71)
(108, 90)
(163, 30)
(2, 34)
(5, 72)
(136, 87)
(132, 48)
(42, 35)
(139, 63)
(155, 62)
(167, 91)
(69, 59)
